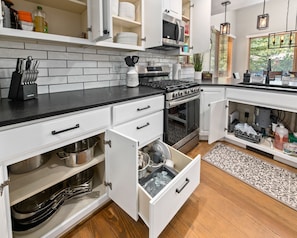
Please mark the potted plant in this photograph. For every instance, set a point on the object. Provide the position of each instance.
(198, 63)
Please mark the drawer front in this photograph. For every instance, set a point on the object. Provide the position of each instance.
(24, 141)
(166, 204)
(132, 110)
(144, 129)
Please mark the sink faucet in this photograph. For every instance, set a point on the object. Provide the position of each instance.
(268, 71)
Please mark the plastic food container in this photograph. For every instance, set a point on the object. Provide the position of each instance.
(290, 149)
(281, 137)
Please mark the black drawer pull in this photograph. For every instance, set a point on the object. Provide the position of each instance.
(140, 127)
(185, 184)
(68, 129)
(144, 108)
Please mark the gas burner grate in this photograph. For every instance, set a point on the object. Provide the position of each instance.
(169, 85)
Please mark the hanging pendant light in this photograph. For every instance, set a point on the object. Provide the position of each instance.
(263, 20)
(225, 27)
(285, 39)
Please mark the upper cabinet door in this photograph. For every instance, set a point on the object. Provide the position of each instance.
(200, 27)
(121, 171)
(99, 20)
(153, 23)
(173, 8)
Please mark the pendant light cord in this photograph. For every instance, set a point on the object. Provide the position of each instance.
(264, 8)
(225, 10)
(287, 15)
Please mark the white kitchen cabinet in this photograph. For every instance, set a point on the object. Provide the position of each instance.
(4, 205)
(208, 95)
(156, 212)
(220, 110)
(42, 139)
(172, 8)
(125, 139)
(200, 26)
(84, 22)
(196, 14)
(46, 134)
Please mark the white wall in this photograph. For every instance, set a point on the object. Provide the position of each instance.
(244, 24)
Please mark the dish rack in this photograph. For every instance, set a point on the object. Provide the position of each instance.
(249, 137)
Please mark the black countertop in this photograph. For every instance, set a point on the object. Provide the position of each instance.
(46, 105)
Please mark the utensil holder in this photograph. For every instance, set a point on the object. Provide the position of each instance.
(23, 86)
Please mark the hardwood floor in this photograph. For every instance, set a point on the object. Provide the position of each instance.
(221, 206)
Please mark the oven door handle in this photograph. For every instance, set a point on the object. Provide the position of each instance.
(182, 101)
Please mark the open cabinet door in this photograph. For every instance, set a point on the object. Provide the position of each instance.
(99, 20)
(153, 20)
(5, 225)
(121, 171)
(217, 121)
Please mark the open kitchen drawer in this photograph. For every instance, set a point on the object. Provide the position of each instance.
(122, 177)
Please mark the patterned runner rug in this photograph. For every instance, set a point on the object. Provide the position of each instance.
(270, 179)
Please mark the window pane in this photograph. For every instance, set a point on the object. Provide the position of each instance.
(281, 59)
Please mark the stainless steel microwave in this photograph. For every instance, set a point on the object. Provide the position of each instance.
(173, 32)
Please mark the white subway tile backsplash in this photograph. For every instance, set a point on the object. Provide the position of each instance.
(100, 84)
(81, 79)
(64, 55)
(65, 87)
(96, 57)
(53, 64)
(67, 68)
(43, 89)
(65, 71)
(96, 70)
(12, 44)
(81, 50)
(12, 53)
(6, 73)
(7, 63)
(51, 80)
(81, 64)
(44, 47)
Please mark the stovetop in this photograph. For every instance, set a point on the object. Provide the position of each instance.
(170, 85)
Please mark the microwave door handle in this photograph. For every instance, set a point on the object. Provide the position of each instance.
(178, 32)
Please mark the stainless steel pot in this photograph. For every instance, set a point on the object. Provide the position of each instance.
(29, 164)
(78, 153)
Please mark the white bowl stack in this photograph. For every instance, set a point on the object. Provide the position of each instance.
(129, 38)
(127, 10)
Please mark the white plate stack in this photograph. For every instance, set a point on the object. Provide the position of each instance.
(129, 38)
(127, 10)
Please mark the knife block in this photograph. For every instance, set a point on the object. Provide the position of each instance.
(20, 89)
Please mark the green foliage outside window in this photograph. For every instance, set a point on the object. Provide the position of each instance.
(281, 59)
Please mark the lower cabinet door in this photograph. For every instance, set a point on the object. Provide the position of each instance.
(157, 211)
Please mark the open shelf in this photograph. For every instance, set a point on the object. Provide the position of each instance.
(25, 185)
(266, 146)
(70, 210)
(125, 22)
(76, 6)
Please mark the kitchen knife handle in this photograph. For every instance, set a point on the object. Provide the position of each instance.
(185, 184)
(67, 129)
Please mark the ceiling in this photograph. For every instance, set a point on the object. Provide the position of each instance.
(217, 6)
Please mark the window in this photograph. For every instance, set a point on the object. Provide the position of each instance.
(282, 59)
(221, 54)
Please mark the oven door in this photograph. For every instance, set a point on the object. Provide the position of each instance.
(181, 123)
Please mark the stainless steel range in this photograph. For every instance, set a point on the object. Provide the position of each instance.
(182, 100)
